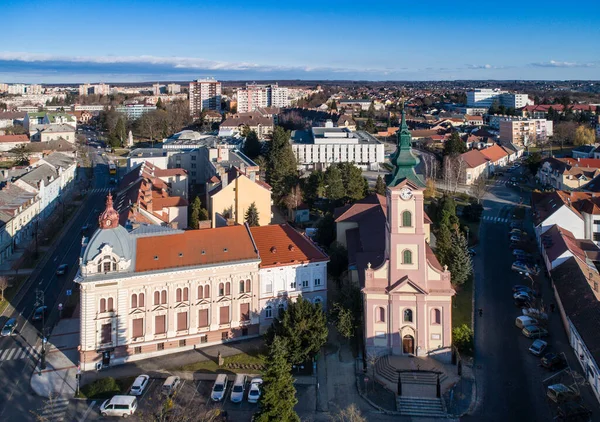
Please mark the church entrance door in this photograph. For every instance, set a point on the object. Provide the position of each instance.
(408, 345)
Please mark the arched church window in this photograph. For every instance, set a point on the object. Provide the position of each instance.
(407, 257)
(408, 315)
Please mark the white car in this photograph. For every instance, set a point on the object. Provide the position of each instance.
(139, 385)
(254, 390)
(535, 313)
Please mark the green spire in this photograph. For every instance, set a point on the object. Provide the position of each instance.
(403, 159)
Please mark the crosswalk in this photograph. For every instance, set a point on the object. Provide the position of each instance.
(100, 190)
(17, 353)
(491, 219)
(55, 410)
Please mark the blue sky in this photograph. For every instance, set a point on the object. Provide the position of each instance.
(132, 40)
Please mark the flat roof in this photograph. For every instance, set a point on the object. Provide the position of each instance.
(357, 137)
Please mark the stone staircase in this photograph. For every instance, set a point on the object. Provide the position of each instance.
(421, 407)
(389, 372)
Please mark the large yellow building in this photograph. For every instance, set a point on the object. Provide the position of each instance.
(231, 198)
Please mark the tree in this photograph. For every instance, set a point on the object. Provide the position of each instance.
(252, 145)
(195, 213)
(314, 187)
(303, 326)
(354, 182)
(371, 111)
(334, 184)
(459, 259)
(430, 189)
(349, 414)
(282, 171)
(279, 395)
(443, 244)
(584, 136)
(344, 321)
(325, 231)
(380, 185)
(338, 259)
(22, 154)
(564, 132)
(446, 213)
(159, 104)
(463, 339)
(479, 188)
(14, 130)
(120, 131)
(251, 216)
(533, 162)
(370, 126)
(333, 105)
(3, 285)
(454, 145)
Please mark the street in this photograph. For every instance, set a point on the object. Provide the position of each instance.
(20, 353)
(509, 378)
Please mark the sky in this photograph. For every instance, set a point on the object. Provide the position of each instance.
(64, 41)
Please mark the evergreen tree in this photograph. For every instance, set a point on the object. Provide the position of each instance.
(344, 320)
(459, 260)
(195, 213)
(159, 104)
(380, 185)
(371, 111)
(333, 105)
(443, 244)
(304, 328)
(252, 145)
(203, 215)
(370, 126)
(252, 215)
(325, 231)
(281, 169)
(447, 212)
(279, 394)
(121, 130)
(314, 187)
(454, 145)
(353, 181)
(335, 185)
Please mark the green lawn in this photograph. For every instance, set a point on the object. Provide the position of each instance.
(462, 304)
(10, 292)
(105, 388)
(257, 357)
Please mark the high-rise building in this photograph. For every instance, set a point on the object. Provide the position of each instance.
(522, 132)
(99, 89)
(156, 89)
(256, 96)
(486, 97)
(17, 89)
(205, 94)
(3, 88)
(34, 89)
(173, 89)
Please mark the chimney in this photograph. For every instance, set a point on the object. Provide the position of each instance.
(252, 176)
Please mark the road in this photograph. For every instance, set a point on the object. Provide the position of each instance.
(19, 353)
(509, 378)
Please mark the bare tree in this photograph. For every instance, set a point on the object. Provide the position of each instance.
(454, 172)
(4, 284)
(293, 199)
(479, 188)
(49, 412)
(349, 414)
(372, 359)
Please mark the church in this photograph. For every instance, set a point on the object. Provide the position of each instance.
(407, 294)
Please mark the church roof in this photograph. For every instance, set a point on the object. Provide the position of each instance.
(403, 159)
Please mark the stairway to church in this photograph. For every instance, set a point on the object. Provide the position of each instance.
(421, 407)
(390, 373)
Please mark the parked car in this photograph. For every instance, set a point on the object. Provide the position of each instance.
(534, 331)
(560, 393)
(526, 290)
(139, 385)
(535, 313)
(524, 321)
(553, 361)
(170, 385)
(38, 314)
(522, 295)
(527, 257)
(515, 238)
(518, 252)
(538, 347)
(517, 232)
(62, 269)
(573, 411)
(237, 391)
(9, 328)
(119, 406)
(518, 287)
(524, 267)
(523, 301)
(254, 390)
(219, 387)
(516, 224)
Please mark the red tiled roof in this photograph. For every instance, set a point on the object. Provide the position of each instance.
(195, 247)
(14, 138)
(158, 172)
(170, 201)
(473, 158)
(280, 245)
(581, 162)
(494, 153)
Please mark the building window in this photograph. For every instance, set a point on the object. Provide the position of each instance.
(182, 321)
(407, 257)
(163, 297)
(106, 333)
(406, 219)
(182, 343)
(178, 295)
(102, 305)
(248, 286)
(141, 300)
(293, 285)
(436, 316)
(596, 221)
(134, 301)
(244, 312)
(317, 281)
(204, 339)
(268, 286)
(224, 315)
(304, 283)
(200, 292)
(137, 328)
(227, 288)
(160, 346)
(408, 315)
(110, 303)
(380, 314)
(221, 289)
(137, 350)
(160, 324)
(269, 312)
(156, 298)
(224, 335)
(203, 318)
(596, 237)
(280, 309)
(206, 292)
(242, 285)
(318, 301)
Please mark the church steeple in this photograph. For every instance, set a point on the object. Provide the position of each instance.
(109, 219)
(403, 159)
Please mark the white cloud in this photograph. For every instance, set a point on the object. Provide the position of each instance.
(554, 63)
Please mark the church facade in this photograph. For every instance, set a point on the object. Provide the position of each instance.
(407, 294)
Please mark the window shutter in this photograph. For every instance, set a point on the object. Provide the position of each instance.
(245, 312)
(182, 321)
(203, 318)
(138, 327)
(224, 315)
(159, 324)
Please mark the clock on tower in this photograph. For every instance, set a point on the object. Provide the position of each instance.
(406, 194)
(109, 219)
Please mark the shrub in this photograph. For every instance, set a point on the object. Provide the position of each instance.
(101, 389)
(462, 338)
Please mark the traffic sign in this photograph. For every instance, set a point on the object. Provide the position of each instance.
(69, 292)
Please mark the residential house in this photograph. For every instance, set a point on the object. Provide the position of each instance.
(33, 121)
(9, 142)
(263, 126)
(496, 156)
(11, 118)
(230, 194)
(568, 173)
(584, 151)
(559, 244)
(18, 215)
(53, 132)
(473, 120)
(346, 121)
(473, 166)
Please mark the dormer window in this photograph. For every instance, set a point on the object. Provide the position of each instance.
(107, 264)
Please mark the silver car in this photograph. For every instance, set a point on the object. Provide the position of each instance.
(9, 328)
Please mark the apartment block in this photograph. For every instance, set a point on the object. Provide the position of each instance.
(173, 89)
(256, 96)
(522, 132)
(99, 89)
(205, 94)
(487, 97)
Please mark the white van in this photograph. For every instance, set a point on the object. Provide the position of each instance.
(237, 391)
(119, 406)
(170, 385)
(524, 321)
(219, 387)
